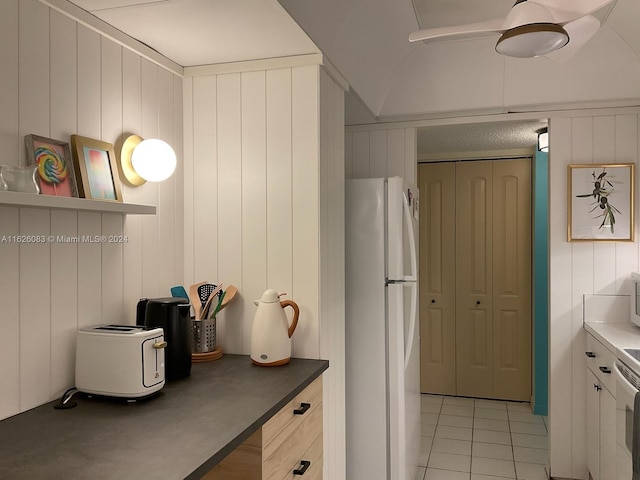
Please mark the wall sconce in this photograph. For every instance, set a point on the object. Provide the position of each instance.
(543, 140)
(146, 160)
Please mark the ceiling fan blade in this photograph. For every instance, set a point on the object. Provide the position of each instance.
(566, 11)
(472, 30)
(580, 32)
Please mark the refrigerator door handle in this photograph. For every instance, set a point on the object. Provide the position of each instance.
(412, 240)
(412, 326)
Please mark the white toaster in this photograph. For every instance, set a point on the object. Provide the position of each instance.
(120, 360)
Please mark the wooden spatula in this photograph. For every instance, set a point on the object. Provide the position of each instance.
(194, 297)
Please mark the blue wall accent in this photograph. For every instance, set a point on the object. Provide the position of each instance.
(541, 284)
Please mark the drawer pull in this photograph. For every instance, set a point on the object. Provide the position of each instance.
(304, 465)
(605, 369)
(303, 408)
(590, 354)
(597, 387)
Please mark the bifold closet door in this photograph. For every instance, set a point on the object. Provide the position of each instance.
(474, 279)
(437, 278)
(512, 279)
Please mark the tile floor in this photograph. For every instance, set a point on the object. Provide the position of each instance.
(474, 439)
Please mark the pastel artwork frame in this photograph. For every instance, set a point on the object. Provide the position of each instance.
(96, 168)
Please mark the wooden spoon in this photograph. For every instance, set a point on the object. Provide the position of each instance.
(229, 293)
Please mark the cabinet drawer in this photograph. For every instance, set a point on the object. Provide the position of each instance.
(283, 423)
(292, 449)
(314, 456)
(600, 360)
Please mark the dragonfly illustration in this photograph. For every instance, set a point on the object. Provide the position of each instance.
(602, 189)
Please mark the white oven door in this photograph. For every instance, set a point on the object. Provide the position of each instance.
(625, 397)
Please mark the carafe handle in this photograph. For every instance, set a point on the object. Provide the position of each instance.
(296, 312)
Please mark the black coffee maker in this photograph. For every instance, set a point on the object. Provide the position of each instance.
(172, 315)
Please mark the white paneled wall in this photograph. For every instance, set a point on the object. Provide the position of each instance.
(381, 152)
(580, 268)
(58, 78)
(264, 208)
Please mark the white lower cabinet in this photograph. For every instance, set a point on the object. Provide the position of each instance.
(601, 413)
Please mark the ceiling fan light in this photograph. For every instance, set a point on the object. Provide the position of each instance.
(532, 40)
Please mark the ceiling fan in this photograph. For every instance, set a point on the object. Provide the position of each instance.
(552, 28)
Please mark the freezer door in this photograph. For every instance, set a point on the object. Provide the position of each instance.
(404, 380)
(403, 202)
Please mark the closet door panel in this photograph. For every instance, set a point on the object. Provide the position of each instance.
(437, 278)
(474, 290)
(512, 279)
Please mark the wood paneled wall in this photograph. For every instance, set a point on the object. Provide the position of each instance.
(264, 208)
(381, 152)
(581, 268)
(58, 78)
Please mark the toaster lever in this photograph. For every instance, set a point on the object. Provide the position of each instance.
(159, 345)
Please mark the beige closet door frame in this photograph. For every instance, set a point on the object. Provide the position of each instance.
(475, 283)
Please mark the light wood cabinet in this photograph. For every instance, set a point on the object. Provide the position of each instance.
(601, 411)
(288, 446)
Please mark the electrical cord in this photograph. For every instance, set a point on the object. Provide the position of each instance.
(65, 401)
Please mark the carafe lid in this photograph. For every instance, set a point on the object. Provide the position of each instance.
(270, 296)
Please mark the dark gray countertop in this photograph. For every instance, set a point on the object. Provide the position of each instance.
(181, 433)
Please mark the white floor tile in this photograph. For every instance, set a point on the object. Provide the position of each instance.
(455, 421)
(529, 428)
(477, 476)
(519, 407)
(531, 471)
(427, 430)
(450, 445)
(421, 473)
(429, 418)
(489, 436)
(449, 461)
(435, 474)
(430, 407)
(500, 431)
(489, 424)
(493, 404)
(456, 433)
(516, 416)
(531, 441)
(460, 410)
(491, 466)
(458, 401)
(428, 398)
(492, 450)
(530, 455)
(425, 450)
(492, 413)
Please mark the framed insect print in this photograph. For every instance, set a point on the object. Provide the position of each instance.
(600, 202)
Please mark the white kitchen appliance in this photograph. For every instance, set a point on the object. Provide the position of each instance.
(382, 353)
(627, 426)
(271, 332)
(635, 298)
(120, 360)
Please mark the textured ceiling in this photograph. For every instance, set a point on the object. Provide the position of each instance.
(478, 137)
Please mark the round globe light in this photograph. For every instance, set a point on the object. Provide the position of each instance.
(154, 160)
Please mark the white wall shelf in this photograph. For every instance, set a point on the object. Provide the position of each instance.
(31, 200)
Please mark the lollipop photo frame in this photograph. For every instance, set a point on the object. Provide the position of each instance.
(55, 172)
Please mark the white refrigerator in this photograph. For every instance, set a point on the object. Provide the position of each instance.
(382, 329)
